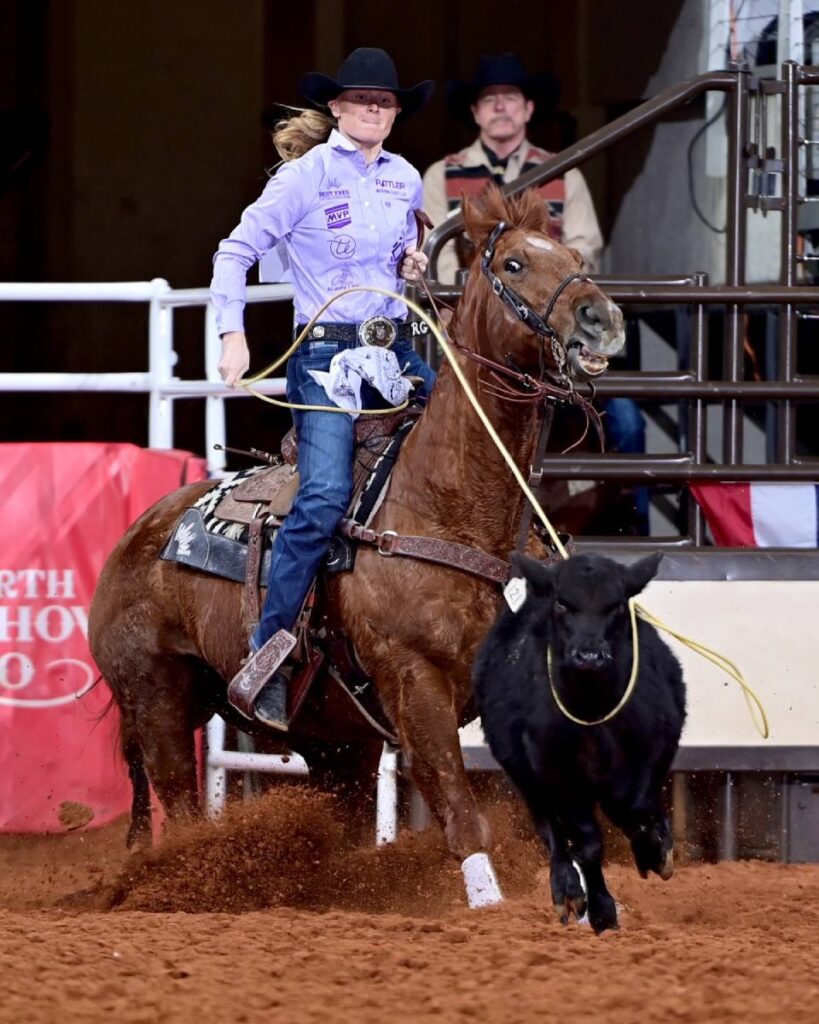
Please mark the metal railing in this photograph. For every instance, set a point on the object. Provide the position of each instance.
(159, 382)
(793, 301)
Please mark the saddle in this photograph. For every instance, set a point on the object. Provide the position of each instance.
(270, 493)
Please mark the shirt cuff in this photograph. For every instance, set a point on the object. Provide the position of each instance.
(230, 318)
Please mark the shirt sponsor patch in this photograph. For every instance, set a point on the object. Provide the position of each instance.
(333, 193)
(337, 216)
(397, 251)
(393, 188)
(342, 247)
(343, 279)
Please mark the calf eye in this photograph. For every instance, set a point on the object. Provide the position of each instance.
(513, 266)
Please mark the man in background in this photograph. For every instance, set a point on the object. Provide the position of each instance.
(501, 100)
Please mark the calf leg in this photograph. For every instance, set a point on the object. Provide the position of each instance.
(586, 845)
(568, 895)
(641, 817)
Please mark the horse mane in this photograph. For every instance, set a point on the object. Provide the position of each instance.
(527, 210)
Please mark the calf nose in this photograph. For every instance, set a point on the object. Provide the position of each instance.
(589, 319)
(586, 658)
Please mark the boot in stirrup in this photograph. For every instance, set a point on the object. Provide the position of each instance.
(259, 668)
(271, 704)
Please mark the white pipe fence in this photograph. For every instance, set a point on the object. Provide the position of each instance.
(163, 388)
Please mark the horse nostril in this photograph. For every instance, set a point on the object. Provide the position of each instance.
(589, 318)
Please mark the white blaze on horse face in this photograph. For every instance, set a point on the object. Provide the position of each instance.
(540, 243)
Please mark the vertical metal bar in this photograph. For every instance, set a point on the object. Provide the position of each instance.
(215, 431)
(698, 410)
(386, 807)
(735, 260)
(679, 808)
(728, 833)
(786, 418)
(784, 818)
(161, 361)
(215, 778)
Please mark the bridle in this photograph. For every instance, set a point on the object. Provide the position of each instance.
(521, 308)
(511, 383)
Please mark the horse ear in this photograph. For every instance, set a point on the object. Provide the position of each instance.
(534, 572)
(578, 256)
(639, 575)
(473, 222)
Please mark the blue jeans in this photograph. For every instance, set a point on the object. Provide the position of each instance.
(625, 429)
(325, 464)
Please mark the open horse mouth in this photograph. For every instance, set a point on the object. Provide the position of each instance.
(584, 361)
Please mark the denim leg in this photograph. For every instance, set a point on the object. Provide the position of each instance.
(325, 460)
(625, 428)
(624, 425)
(412, 365)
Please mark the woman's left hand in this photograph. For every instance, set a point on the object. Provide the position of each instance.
(413, 265)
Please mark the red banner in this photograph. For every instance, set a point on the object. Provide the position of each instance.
(64, 507)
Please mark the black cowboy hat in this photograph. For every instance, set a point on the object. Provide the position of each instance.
(502, 69)
(366, 68)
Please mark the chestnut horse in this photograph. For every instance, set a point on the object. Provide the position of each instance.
(166, 638)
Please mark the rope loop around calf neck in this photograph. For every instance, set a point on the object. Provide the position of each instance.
(635, 667)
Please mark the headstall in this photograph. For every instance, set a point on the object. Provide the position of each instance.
(520, 307)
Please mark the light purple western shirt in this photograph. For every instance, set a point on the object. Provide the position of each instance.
(345, 224)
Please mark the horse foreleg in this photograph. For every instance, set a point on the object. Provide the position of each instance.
(429, 733)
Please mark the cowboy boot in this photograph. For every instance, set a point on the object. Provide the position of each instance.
(271, 704)
(257, 671)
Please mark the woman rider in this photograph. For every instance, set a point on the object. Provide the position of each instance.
(345, 207)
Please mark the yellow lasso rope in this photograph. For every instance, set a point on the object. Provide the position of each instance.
(727, 666)
(268, 370)
(635, 667)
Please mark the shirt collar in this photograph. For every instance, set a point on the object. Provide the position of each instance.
(339, 141)
(515, 155)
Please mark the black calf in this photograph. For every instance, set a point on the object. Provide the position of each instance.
(575, 621)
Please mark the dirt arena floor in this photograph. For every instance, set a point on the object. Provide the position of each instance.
(273, 917)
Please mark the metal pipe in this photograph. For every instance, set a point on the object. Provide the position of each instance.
(698, 411)
(674, 469)
(386, 814)
(786, 357)
(733, 353)
(727, 847)
(668, 386)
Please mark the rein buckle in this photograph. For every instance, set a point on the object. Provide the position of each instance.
(386, 543)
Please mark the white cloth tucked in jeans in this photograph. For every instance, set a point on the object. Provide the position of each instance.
(348, 368)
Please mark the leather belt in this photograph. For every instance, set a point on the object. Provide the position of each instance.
(372, 329)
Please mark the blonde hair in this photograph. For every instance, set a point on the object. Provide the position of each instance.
(295, 136)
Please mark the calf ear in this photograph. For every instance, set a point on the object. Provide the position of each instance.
(638, 575)
(534, 572)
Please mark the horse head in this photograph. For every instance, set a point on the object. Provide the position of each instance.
(527, 301)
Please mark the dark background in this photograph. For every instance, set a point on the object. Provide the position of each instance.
(131, 137)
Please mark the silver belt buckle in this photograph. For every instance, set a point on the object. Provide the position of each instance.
(378, 331)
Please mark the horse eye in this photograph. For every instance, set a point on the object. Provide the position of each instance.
(560, 607)
(513, 266)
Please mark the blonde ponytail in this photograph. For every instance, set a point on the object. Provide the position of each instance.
(295, 136)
